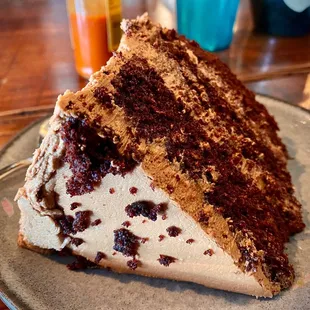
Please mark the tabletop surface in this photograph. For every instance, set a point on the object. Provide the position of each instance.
(36, 60)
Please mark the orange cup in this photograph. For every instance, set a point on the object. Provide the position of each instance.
(93, 36)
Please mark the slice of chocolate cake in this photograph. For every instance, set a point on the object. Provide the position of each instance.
(165, 165)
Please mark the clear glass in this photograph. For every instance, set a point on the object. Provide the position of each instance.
(91, 32)
(209, 22)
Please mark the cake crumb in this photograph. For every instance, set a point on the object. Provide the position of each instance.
(75, 205)
(209, 252)
(96, 222)
(190, 241)
(99, 257)
(173, 231)
(81, 221)
(133, 264)
(145, 208)
(161, 237)
(170, 189)
(126, 224)
(125, 242)
(133, 190)
(77, 241)
(166, 260)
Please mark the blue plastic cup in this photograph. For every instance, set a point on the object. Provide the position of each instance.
(209, 22)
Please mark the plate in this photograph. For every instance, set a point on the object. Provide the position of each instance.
(32, 281)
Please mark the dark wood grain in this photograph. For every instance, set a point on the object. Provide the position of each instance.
(36, 60)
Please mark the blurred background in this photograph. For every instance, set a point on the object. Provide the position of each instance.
(266, 43)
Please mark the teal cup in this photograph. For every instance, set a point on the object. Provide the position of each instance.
(209, 22)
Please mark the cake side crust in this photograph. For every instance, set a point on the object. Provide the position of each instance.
(23, 243)
(156, 273)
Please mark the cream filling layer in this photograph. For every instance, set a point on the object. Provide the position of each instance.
(218, 270)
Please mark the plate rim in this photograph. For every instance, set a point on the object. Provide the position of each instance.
(12, 305)
(21, 132)
(277, 100)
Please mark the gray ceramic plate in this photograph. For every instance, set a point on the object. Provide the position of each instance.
(31, 281)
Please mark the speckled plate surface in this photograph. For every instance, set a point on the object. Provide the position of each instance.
(32, 281)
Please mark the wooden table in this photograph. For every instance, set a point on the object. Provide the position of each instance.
(36, 60)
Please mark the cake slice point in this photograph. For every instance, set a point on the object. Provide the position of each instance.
(165, 165)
